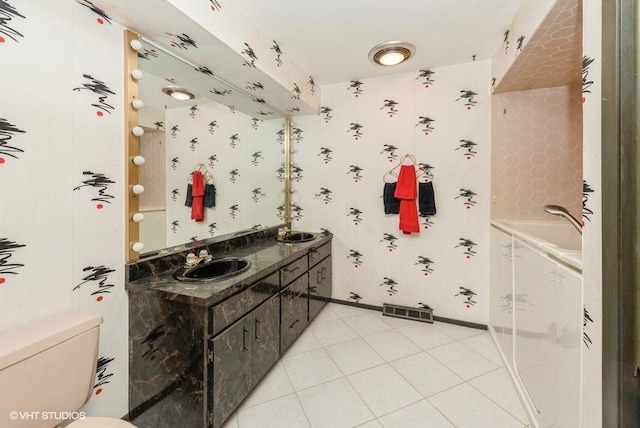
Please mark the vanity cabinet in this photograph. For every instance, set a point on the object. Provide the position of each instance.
(194, 357)
(241, 355)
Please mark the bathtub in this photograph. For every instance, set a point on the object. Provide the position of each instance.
(557, 238)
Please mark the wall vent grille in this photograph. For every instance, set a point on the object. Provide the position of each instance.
(418, 314)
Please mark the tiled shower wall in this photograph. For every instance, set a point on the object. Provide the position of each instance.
(537, 153)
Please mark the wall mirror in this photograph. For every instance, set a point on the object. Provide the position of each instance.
(205, 159)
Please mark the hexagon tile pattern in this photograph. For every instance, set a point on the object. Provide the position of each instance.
(537, 153)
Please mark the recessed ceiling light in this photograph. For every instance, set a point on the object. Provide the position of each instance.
(178, 93)
(391, 53)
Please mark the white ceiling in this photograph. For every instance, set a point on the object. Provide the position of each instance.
(331, 39)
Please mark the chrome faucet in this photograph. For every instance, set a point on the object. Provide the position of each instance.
(563, 212)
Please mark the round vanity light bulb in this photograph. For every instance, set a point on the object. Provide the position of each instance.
(138, 131)
(137, 189)
(137, 104)
(135, 44)
(137, 74)
(138, 217)
(190, 258)
(137, 246)
(139, 160)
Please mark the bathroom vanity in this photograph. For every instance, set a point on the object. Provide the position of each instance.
(196, 350)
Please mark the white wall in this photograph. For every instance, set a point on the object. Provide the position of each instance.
(70, 228)
(452, 171)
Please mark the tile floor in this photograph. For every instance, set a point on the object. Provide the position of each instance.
(354, 367)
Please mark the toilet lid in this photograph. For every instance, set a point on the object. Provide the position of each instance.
(100, 423)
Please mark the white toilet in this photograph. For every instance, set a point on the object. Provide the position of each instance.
(47, 371)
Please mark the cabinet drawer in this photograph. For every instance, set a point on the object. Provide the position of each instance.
(227, 312)
(292, 271)
(317, 254)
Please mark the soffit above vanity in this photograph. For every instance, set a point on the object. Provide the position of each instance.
(168, 27)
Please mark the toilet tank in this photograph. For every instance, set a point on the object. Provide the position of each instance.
(47, 366)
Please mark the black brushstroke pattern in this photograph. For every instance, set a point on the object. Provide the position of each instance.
(426, 263)
(356, 86)
(99, 88)
(222, 93)
(326, 153)
(585, 337)
(6, 133)
(7, 13)
(468, 245)
(297, 92)
(468, 195)
(427, 76)
(101, 13)
(215, 4)
(468, 96)
(312, 83)
(326, 111)
(356, 256)
(254, 86)
(355, 129)
(468, 145)
(99, 274)
(390, 241)
(505, 41)
(356, 171)
(520, 43)
(248, 51)
(354, 297)
(325, 194)
(586, 83)
(276, 48)
(182, 41)
(586, 211)
(100, 182)
(297, 134)
(356, 214)
(102, 375)
(390, 151)
(6, 251)
(205, 70)
(391, 285)
(390, 105)
(175, 225)
(427, 123)
(468, 294)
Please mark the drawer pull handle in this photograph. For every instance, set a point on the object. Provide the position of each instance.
(294, 323)
(257, 326)
(244, 339)
(292, 270)
(324, 272)
(318, 276)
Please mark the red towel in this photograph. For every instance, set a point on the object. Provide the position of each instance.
(406, 191)
(197, 191)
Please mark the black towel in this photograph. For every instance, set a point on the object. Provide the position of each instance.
(426, 199)
(210, 196)
(391, 203)
(189, 200)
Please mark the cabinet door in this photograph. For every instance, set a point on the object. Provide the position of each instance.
(548, 335)
(502, 298)
(231, 369)
(266, 338)
(293, 311)
(319, 286)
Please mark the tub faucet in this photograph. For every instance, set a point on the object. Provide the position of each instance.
(563, 212)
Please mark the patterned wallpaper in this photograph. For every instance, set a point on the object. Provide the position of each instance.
(61, 177)
(442, 117)
(244, 157)
(537, 153)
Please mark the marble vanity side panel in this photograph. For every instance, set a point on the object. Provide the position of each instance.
(166, 362)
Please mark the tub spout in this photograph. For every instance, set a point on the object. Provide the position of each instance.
(563, 212)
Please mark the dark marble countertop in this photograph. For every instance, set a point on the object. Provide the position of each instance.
(266, 256)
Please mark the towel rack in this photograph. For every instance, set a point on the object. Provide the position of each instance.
(412, 158)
